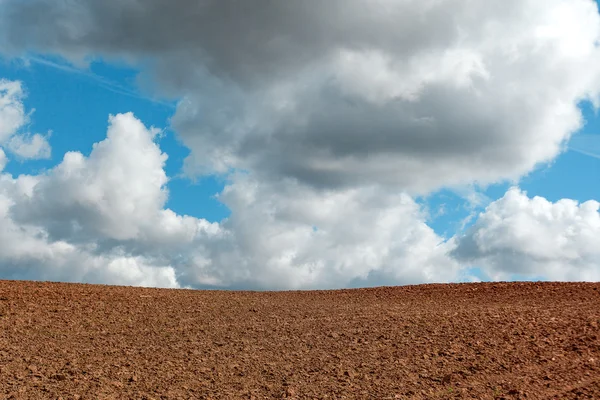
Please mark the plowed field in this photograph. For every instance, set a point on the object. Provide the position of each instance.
(484, 341)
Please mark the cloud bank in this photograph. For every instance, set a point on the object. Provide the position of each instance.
(412, 94)
(534, 237)
(108, 210)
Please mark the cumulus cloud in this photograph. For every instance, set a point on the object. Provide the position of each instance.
(518, 235)
(13, 119)
(12, 111)
(347, 92)
(73, 222)
(33, 146)
(289, 234)
(110, 193)
(3, 159)
(105, 214)
(27, 251)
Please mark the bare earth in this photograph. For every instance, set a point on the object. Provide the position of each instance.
(484, 341)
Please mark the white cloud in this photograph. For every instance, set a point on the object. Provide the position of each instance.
(114, 191)
(12, 111)
(27, 252)
(25, 257)
(107, 212)
(518, 235)
(30, 146)
(3, 159)
(13, 119)
(73, 222)
(287, 234)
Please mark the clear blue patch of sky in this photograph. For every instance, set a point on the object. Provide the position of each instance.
(75, 107)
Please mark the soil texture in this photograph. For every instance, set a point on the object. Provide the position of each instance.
(474, 341)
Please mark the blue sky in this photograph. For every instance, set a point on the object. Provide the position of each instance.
(359, 151)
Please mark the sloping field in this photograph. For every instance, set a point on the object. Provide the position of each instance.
(488, 341)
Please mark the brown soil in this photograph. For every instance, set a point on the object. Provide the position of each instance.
(484, 341)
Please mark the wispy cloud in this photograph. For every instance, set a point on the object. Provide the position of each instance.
(474, 196)
(99, 80)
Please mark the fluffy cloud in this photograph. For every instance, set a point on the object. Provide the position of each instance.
(27, 252)
(33, 146)
(412, 94)
(13, 119)
(103, 218)
(74, 222)
(12, 111)
(287, 234)
(113, 199)
(111, 193)
(3, 159)
(534, 237)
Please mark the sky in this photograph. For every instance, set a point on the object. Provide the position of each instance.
(299, 145)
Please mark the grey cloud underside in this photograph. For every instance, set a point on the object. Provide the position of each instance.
(239, 40)
(349, 144)
(413, 94)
